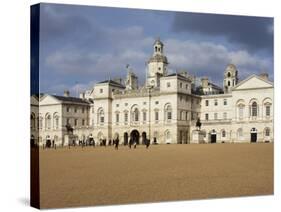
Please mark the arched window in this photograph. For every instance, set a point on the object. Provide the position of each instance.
(56, 120)
(100, 116)
(254, 109)
(168, 112)
(267, 131)
(267, 102)
(241, 111)
(32, 121)
(48, 121)
(167, 136)
(126, 116)
(135, 114)
(40, 124)
(228, 74)
(240, 134)
(223, 133)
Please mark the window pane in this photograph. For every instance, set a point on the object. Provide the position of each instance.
(267, 112)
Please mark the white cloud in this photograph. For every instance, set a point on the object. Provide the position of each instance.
(207, 58)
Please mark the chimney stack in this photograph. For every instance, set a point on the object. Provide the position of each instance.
(264, 76)
(204, 82)
(82, 95)
(66, 93)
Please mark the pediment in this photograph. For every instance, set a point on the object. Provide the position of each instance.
(253, 82)
(49, 100)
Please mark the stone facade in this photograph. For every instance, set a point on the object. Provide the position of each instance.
(165, 109)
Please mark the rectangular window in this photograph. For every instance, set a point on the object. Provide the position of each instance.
(225, 102)
(126, 117)
(67, 109)
(169, 115)
(224, 115)
(168, 84)
(180, 85)
(186, 86)
(144, 116)
(75, 110)
(216, 102)
(192, 116)
(241, 110)
(75, 122)
(267, 110)
(83, 122)
(215, 116)
(186, 115)
(206, 116)
(83, 110)
(117, 117)
(206, 103)
(101, 119)
(101, 90)
(156, 115)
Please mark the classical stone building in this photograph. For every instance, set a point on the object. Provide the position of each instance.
(165, 109)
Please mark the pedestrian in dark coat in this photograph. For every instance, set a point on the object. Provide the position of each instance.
(147, 143)
(116, 143)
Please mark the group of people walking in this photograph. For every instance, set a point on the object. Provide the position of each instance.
(102, 142)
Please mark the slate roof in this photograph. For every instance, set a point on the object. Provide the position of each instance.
(71, 99)
(112, 83)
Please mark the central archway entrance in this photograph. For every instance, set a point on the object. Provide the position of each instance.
(253, 135)
(135, 136)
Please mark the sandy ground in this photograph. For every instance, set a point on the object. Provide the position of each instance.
(102, 176)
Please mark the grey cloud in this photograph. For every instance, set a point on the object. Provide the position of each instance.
(254, 33)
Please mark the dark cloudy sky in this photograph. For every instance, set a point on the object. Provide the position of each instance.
(81, 45)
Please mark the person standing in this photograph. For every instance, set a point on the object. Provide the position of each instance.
(116, 143)
(147, 143)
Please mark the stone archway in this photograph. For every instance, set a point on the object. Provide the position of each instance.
(213, 136)
(135, 136)
(143, 136)
(32, 141)
(254, 135)
(126, 138)
(48, 141)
